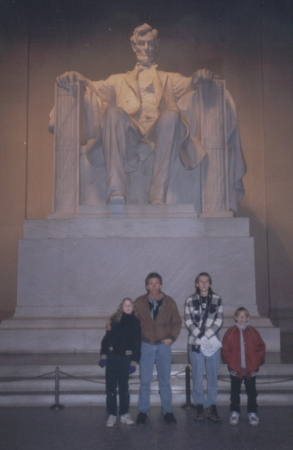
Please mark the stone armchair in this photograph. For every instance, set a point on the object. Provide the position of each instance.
(214, 186)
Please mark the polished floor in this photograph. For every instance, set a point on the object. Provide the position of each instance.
(83, 428)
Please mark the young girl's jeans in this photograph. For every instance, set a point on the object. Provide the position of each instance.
(117, 375)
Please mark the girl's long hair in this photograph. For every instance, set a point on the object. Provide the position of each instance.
(116, 316)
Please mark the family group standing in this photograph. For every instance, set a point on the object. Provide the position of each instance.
(144, 331)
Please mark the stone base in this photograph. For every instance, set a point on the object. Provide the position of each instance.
(283, 319)
(73, 272)
(84, 335)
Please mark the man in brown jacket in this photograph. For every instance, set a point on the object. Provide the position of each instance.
(160, 327)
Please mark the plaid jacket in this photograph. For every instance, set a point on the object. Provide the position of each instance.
(193, 315)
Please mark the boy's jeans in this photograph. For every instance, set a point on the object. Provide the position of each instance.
(161, 355)
(212, 363)
(250, 391)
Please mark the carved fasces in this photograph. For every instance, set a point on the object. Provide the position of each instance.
(66, 148)
(213, 136)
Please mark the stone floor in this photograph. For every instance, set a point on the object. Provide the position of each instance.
(83, 428)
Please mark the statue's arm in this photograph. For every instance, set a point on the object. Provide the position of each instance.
(182, 85)
(105, 92)
(103, 89)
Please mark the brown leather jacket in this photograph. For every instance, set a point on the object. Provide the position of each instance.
(167, 324)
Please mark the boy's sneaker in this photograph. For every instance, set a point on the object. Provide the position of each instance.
(111, 421)
(234, 418)
(199, 415)
(212, 413)
(126, 418)
(253, 419)
(141, 418)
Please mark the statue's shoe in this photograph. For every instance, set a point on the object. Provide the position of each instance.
(117, 198)
(157, 202)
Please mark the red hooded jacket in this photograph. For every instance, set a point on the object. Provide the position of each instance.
(254, 350)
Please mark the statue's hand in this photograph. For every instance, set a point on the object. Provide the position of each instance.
(67, 79)
(202, 76)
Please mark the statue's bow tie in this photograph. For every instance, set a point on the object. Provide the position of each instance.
(142, 67)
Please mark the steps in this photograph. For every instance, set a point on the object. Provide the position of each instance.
(29, 380)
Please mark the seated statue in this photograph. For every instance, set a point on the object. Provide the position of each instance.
(144, 112)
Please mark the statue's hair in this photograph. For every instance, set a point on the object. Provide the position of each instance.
(116, 316)
(141, 31)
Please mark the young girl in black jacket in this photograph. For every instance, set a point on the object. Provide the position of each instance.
(120, 353)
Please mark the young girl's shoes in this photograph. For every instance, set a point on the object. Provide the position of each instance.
(253, 419)
(126, 418)
(234, 418)
(111, 421)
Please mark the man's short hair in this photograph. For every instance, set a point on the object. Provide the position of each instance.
(153, 275)
(240, 310)
(143, 30)
(203, 274)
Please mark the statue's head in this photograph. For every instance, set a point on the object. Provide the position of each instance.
(144, 42)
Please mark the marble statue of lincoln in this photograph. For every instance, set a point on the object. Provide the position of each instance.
(131, 115)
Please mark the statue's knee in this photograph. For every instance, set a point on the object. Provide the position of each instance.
(113, 112)
(169, 117)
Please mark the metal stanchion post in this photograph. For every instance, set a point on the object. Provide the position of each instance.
(188, 403)
(57, 405)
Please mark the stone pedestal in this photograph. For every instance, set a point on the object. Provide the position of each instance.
(74, 271)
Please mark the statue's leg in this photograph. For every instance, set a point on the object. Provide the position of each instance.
(167, 138)
(115, 126)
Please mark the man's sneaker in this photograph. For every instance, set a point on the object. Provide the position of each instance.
(199, 415)
(141, 418)
(212, 413)
(126, 418)
(111, 421)
(234, 418)
(253, 419)
(169, 418)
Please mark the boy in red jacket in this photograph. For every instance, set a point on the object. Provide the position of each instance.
(244, 351)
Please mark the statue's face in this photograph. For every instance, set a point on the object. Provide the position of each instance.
(144, 48)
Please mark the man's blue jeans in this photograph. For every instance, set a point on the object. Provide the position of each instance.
(161, 355)
(198, 362)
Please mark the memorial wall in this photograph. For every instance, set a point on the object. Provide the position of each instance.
(248, 45)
